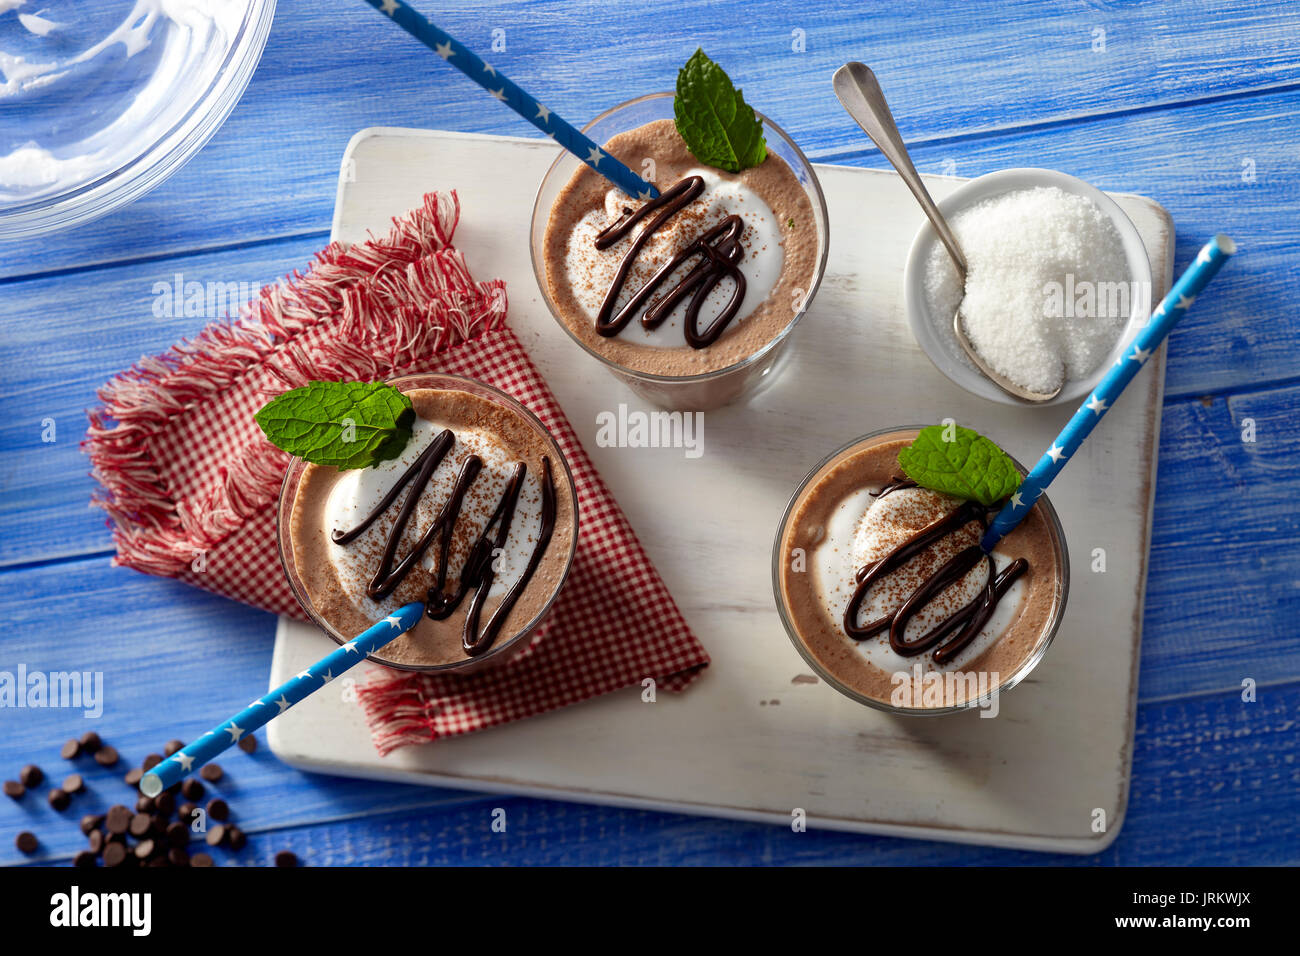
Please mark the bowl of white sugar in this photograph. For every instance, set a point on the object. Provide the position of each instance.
(1058, 281)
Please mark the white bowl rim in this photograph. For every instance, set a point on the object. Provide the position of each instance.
(985, 187)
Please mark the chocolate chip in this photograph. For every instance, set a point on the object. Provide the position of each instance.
(114, 854)
(286, 858)
(91, 821)
(118, 819)
(133, 776)
(218, 809)
(201, 859)
(212, 772)
(178, 857)
(185, 813)
(144, 849)
(14, 789)
(58, 799)
(31, 776)
(216, 835)
(165, 804)
(141, 824)
(96, 841)
(71, 750)
(106, 756)
(26, 842)
(172, 747)
(237, 838)
(144, 804)
(90, 742)
(192, 789)
(248, 744)
(178, 834)
(151, 761)
(84, 858)
(73, 783)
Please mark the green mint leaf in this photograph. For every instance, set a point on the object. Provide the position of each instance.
(344, 424)
(965, 465)
(719, 127)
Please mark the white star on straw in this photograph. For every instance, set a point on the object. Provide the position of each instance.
(390, 7)
(1160, 309)
(1056, 453)
(1095, 404)
(1140, 356)
(283, 703)
(498, 94)
(326, 677)
(1204, 255)
(1185, 302)
(351, 646)
(304, 675)
(443, 50)
(1016, 500)
(643, 194)
(185, 760)
(488, 68)
(235, 731)
(543, 113)
(392, 621)
(594, 156)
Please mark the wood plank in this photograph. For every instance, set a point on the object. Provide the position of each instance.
(330, 69)
(1197, 763)
(54, 364)
(1222, 346)
(1223, 591)
(171, 667)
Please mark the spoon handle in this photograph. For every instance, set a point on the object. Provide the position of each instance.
(861, 96)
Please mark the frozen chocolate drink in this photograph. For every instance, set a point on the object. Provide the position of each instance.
(685, 296)
(885, 591)
(476, 517)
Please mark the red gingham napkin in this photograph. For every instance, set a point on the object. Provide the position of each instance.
(190, 483)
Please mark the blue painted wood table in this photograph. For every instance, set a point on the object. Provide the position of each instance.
(1194, 104)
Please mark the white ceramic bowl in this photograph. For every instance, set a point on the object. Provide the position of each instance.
(945, 353)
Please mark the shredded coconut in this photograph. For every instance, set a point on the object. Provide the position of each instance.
(1048, 290)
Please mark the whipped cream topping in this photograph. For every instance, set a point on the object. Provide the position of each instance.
(862, 530)
(356, 493)
(591, 272)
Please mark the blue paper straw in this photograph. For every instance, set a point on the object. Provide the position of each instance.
(1175, 305)
(276, 702)
(486, 76)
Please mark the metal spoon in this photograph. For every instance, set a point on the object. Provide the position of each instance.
(860, 95)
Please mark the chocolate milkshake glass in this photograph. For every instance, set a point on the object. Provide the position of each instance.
(767, 223)
(883, 590)
(477, 517)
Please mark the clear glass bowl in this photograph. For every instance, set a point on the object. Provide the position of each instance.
(787, 619)
(503, 650)
(708, 389)
(101, 100)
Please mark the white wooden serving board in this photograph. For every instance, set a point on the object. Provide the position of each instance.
(754, 738)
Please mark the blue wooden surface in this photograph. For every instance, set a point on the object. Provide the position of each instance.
(1194, 104)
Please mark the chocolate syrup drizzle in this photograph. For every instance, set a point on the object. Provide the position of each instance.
(478, 572)
(951, 635)
(720, 251)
